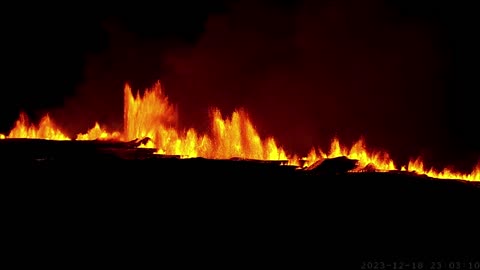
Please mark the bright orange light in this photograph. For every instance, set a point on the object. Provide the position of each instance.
(417, 166)
(45, 130)
(98, 133)
(152, 115)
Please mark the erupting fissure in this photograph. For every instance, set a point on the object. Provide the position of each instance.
(151, 115)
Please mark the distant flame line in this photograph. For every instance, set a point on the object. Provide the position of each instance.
(151, 115)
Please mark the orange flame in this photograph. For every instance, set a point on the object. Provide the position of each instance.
(379, 160)
(45, 130)
(151, 115)
(48, 130)
(98, 133)
(417, 166)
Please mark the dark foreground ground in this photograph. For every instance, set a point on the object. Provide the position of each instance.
(75, 204)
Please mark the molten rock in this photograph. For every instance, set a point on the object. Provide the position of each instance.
(334, 165)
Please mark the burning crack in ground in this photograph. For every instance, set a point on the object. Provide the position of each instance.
(149, 123)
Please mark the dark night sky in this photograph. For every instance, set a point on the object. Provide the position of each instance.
(401, 73)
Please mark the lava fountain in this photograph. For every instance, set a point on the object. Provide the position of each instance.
(152, 115)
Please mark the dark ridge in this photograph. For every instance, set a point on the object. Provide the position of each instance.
(80, 193)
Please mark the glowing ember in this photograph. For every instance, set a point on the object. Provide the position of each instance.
(151, 115)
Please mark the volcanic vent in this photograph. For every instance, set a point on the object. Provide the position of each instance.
(150, 123)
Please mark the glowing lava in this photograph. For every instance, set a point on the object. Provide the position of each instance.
(379, 160)
(418, 167)
(45, 130)
(48, 130)
(151, 115)
(98, 133)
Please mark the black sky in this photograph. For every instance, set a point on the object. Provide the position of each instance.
(401, 73)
